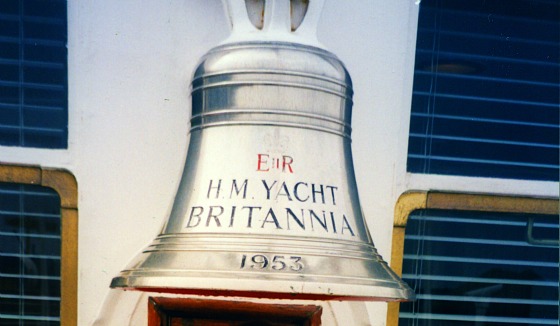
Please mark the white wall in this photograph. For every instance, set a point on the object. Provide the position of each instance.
(130, 63)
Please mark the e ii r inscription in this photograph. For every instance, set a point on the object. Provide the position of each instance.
(288, 206)
(266, 162)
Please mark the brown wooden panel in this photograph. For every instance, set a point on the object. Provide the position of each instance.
(163, 311)
(20, 174)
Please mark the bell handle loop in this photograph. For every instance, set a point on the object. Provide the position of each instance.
(310, 22)
(238, 17)
(277, 16)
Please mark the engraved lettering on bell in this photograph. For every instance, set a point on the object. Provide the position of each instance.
(268, 162)
(318, 214)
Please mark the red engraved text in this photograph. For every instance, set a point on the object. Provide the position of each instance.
(266, 162)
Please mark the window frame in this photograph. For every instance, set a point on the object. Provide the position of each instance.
(65, 184)
(413, 200)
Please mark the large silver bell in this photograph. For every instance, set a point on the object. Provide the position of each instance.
(268, 204)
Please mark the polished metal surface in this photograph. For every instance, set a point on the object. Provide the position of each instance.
(268, 201)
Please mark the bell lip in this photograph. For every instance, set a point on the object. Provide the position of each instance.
(372, 281)
(295, 290)
(265, 294)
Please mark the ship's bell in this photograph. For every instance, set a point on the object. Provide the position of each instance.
(268, 204)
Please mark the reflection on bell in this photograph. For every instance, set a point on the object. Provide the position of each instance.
(268, 204)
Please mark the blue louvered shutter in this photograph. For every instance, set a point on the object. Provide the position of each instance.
(486, 89)
(30, 245)
(474, 268)
(33, 73)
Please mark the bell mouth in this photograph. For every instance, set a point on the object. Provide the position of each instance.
(263, 267)
(271, 295)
